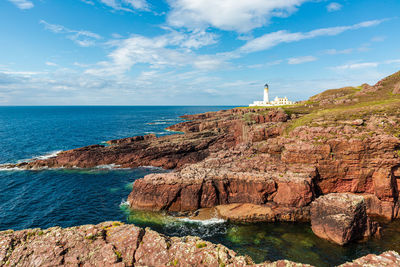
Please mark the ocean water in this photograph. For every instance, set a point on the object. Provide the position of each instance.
(86, 196)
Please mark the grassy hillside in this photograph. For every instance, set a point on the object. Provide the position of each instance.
(331, 107)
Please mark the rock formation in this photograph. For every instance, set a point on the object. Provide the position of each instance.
(114, 244)
(388, 258)
(341, 218)
(118, 244)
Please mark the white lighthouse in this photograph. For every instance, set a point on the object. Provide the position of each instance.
(276, 102)
(266, 95)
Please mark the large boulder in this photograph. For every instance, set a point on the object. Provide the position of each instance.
(341, 218)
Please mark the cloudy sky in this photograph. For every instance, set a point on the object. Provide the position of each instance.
(190, 52)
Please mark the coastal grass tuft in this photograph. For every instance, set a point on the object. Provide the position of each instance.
(201, 245)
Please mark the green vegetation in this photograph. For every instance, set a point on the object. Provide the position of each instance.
(332, 106)
(119, 255)
(90, 237)
(175, 262)
(248, 117)
(201, 245)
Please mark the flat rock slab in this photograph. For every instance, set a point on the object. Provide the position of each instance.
(341, 218)
(270, 212)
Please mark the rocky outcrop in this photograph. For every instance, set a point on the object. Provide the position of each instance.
(341, 218)
(118, 244)
(196, 187)
(207, 133)
(114, 244)
(388, 258)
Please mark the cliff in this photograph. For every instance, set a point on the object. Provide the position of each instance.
(280, 159)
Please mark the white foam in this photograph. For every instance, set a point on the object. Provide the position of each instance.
(48, 155)
(153, 168)
(203, 222)
(5, 168)
(107, 166)
(157, 123)
(124, 203)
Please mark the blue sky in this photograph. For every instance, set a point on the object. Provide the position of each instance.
(191, 52)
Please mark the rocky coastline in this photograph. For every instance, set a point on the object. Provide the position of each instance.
(118, 244)
(333, 161)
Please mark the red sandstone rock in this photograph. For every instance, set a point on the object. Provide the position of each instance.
(258, 213)
(341, 218)
(388, 258)
(114, 244)
(117, 244)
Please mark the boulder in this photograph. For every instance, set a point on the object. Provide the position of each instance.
(341, 218)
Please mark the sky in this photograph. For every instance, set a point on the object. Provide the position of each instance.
(191, 52)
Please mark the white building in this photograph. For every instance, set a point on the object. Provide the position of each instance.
(276, 102)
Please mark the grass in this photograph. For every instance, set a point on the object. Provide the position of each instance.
(324, 109)
(359, 110)
(201, 245)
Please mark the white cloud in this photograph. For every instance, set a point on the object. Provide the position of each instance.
(338, 52)
(357, 66)
(22, 4)
(88, 2)
(393, 61)
(333, 7)
(235, 15)
(365, 65)
(300, 60)
(171, 49)
(378, 39)
(52, 64)
(270, 40)
(127, 5)
(80, 37)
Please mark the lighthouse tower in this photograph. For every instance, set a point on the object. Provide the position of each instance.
(266, 95)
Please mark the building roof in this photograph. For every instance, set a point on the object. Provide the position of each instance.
(266, 85)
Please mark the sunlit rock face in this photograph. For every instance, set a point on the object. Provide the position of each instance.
(341, 218)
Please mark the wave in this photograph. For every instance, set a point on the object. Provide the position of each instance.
(124, 203)
(3, 167)
(158, 133)
(157, 123)
(48, 155)
(107, 166)
(211, 221)
(153, 168)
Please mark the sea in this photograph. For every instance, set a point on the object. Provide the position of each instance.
(71, 197)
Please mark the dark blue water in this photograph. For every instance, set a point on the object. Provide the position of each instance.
(75, 197)
(71, 197)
